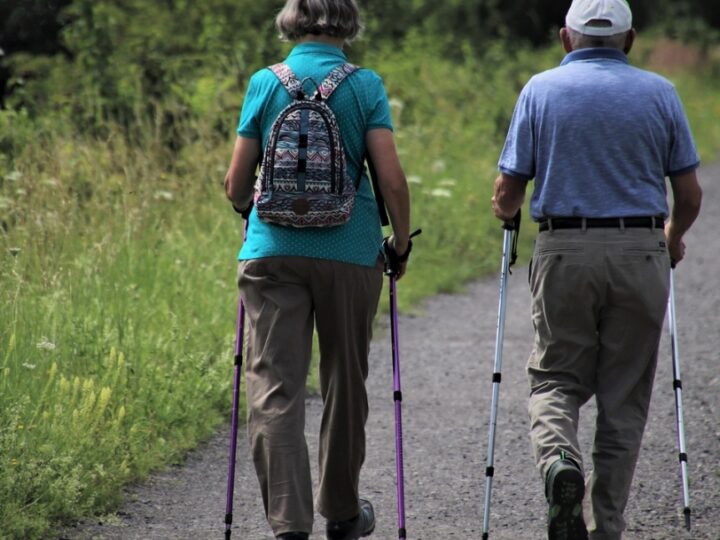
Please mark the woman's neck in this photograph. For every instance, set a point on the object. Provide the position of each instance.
(323, 38)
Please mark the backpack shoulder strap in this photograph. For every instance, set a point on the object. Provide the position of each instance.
(334, 78)
(288, 78)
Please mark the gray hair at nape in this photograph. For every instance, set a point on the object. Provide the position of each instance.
(583, 41)
(335, 18)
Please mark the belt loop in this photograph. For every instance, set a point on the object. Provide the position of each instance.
(550, 227)
(584, 224)
(622, 224)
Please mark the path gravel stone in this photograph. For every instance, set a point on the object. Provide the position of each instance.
(447, 356)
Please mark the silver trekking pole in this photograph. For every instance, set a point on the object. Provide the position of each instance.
(509, 255)
(677, 386)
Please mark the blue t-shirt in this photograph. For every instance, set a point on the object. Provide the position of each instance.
(359, 104)
(599, 136)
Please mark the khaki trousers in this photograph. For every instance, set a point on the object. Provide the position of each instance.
(284, 298)
(598, 304)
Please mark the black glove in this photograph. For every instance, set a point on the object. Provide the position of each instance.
(393, 260)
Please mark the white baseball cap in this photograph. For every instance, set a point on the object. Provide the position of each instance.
(599, 17)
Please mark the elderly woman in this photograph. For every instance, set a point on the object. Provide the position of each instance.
(293, 279)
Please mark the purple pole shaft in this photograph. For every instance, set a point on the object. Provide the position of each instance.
(397, 395)
(234, 426)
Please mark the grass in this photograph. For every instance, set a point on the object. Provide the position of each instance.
(117, 295)
(116, 321)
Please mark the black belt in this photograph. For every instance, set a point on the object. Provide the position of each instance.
(654, 222)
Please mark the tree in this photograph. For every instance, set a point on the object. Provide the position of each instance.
(32, 26)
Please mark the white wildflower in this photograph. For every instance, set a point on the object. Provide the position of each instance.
(396, 103)
(438, 166)
(45, 345)
(163, 195)
(28, 365)
(414, 179)
(448, 182)
(440, 192)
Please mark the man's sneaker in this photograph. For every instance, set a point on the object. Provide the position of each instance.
(361, 525)
(293, 536)
(565, 488)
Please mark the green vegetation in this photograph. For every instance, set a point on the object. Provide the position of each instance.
(117, 296)
(116, 320)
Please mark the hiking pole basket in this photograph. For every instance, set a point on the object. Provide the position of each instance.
(391, 269)
(677, 387)
(511, 230)
(234, 422)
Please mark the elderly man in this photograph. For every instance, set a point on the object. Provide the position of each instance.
(599, 137)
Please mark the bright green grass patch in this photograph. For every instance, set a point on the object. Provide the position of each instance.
(116, 318)
(117, 271)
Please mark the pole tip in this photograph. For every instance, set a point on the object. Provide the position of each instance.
(687, 513)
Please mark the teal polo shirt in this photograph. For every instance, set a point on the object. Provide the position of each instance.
(599, 136)
(360, 104)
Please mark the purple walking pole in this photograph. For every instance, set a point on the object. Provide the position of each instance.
(397, 396)
(235, 406)
(393, 266)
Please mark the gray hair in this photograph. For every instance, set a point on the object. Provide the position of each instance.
(583, 41)
(335, 18)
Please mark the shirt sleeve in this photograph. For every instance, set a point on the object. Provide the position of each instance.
(518, 155)
(249, 125)
(378, 106)
(683, 155)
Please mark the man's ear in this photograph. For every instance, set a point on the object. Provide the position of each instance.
(629, 40)
(565, 38)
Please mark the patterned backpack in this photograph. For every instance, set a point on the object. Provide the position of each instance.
(303, 179)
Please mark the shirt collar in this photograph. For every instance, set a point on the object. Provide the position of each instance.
(314, 47)
(599, 53)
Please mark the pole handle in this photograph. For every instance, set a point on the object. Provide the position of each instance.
(513, 226)
(393, 259)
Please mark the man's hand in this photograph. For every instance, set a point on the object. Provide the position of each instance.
(687, 197)
(675, 245)
(508, 197)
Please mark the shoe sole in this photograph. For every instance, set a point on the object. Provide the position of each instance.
(566, 519)
(351, 536)
(368, 533)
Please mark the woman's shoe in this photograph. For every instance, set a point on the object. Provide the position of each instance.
(360, 526)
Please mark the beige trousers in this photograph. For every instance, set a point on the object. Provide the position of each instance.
(284, 298)
(598, 304)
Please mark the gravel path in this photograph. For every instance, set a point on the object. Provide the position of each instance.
(447, 356)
